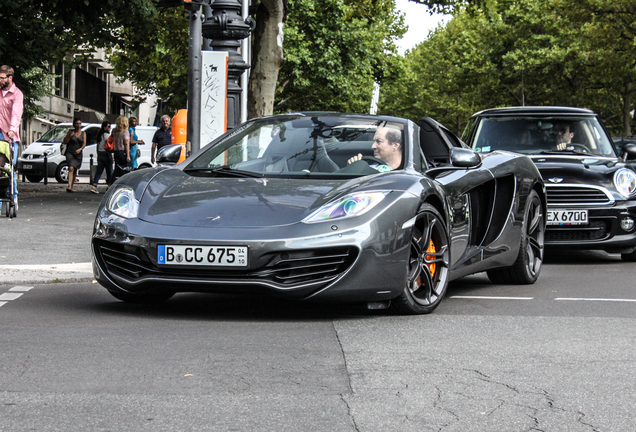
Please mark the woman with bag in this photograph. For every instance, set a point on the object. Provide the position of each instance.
(104, 157)
(75, 141)
(121, 139)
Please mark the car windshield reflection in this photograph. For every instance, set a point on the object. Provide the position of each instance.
(543, 135)
(302, 146)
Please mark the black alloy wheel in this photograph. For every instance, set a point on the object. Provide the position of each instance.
(527, 267)
(428, 265)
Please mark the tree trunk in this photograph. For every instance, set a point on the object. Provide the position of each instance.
(267, 57)
(627, 108)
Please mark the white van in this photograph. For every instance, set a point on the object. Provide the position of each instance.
(31, 162)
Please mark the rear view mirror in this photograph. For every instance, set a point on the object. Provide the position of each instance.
(169, 155)
(465, 158)
(628, 152)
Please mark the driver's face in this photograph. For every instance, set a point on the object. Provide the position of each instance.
(381, 147)
(563, 134)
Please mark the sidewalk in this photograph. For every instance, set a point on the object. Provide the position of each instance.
(45, 273)
(49, 240)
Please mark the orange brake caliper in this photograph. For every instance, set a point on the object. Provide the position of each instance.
(431, 266)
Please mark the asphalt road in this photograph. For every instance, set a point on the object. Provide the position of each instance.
(555, 356)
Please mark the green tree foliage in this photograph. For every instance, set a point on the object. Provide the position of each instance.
(334, 50)
(513, 52)
(153, 54)
(36, 33)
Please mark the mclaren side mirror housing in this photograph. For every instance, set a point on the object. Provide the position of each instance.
(169, 155)
(628, 152)
(465, 158)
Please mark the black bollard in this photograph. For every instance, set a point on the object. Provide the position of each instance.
(90, 175)
(46, 170)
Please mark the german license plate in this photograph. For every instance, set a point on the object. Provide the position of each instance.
(567, 217)
(27, 167)
(227, 256)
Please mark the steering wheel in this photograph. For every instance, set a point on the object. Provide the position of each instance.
(373, 159)
(575, 146)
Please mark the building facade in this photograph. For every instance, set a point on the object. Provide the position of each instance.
(90, 92)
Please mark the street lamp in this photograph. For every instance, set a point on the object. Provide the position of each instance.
(226, 28)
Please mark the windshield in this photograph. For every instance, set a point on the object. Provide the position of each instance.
(543, 135)
(55, 134)
(299, 145)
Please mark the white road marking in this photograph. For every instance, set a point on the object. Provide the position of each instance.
(2, 303)
(21, 288)
(10, 296)
(493, 298)
(596, 299)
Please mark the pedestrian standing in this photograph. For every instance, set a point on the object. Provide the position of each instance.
(104, 158)
(121, 137)
(162, 136)
(75, 141)
(134, 142)
(11, 107)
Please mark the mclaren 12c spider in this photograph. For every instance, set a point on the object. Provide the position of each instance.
(319, 206)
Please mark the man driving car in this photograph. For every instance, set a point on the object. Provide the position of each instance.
(386, 147)
(563, 136)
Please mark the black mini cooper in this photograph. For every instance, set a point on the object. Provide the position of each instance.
(591, 189)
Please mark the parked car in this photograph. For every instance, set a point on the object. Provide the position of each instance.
(277, 206)
(31, 162)
(591, 190)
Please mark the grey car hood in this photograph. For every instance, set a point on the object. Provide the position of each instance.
(176, 198)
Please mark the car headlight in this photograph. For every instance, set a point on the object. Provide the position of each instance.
(49, 152)
(123, 203)
(351, 205)
(625, 181)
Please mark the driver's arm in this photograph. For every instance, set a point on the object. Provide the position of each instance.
(355, 159)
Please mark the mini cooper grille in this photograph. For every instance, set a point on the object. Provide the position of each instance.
(284, 268)
(596, 230)
(572, 194)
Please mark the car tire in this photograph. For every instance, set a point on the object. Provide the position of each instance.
(527, 267)
(427, 271)
(145, 298)
(145, 165)
(61, 173)
(34, 178)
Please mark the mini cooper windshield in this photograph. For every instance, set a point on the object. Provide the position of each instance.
(543, 135)
(300, 146)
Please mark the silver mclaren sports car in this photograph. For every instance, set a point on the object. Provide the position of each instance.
(321, 206)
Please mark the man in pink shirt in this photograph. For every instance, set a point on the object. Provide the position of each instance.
(11, 105)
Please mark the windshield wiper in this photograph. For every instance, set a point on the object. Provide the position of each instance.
(225, 170)
(556, 152)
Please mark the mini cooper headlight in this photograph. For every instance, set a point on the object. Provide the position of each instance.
(355, 204)
(625, 181)
(123, 203)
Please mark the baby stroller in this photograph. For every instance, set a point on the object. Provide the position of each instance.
(7, 171)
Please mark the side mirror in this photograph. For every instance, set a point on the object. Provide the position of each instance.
(169, 155)
(465, 158)
(628, 152)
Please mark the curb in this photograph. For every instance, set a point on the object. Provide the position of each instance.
(46, 273)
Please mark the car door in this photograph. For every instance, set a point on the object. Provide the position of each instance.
(90, 149)
(469, 192)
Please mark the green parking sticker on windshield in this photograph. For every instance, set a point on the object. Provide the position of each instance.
(383, 168)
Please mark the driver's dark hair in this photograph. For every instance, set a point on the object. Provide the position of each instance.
(393, 135)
